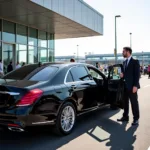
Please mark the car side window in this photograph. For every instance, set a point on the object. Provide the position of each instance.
(115, 73)
(79, 73)
(95, 74)
(69, 77)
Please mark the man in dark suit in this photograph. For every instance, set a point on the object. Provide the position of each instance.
(131, 75)
(10, 67)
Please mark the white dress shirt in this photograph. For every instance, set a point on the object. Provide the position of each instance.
(128, 60)
(18, 66)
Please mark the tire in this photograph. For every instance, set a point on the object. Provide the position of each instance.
(59, 128)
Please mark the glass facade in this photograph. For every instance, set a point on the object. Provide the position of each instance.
(22, 34)
(42, 40)
(33, 35)
(50, 55)
(27, 44)
(8, 31)
(51, 41)
(21, 51)
(0, 50)
(42, 54)
(32, 54)
(0, 29)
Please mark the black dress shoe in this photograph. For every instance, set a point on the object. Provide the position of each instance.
(123, 119)
(135, 122)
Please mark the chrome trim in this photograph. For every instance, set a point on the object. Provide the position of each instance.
(43, 122)
(101, 106)
(67, 74)
(75, 81)
(10, 93)
(19, 105)
(15, 129)
(95, 108)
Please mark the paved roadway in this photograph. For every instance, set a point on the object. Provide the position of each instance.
(95, 131)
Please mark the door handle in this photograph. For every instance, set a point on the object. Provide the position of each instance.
(59, 92)
(73, 87)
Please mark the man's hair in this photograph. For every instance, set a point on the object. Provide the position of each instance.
(128, 49)
(72, 60)
(0, 60)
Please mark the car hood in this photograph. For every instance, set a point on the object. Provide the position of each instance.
(17, 83)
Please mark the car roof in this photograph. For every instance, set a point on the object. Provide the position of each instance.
(63, 64)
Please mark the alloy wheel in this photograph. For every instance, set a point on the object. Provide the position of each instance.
(67, 118)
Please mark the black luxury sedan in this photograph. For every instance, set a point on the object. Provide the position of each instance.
(54, 94)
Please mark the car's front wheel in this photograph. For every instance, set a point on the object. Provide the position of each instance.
(66, 119)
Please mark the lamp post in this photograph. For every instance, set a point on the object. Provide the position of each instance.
(116, 37)
(74, 55)
(77, 53)
(131, 40)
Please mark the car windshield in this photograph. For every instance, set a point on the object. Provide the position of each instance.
(32, 72)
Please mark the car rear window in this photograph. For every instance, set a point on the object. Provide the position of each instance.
(32, 72)
(44, 74)
(21, 73)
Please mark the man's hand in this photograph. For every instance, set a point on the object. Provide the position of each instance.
(134, 89)
(121, 75)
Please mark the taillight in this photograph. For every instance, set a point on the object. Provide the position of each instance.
(30, 97)
(13, 125)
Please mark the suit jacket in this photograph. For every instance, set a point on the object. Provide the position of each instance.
(132, 74)
(9, 68)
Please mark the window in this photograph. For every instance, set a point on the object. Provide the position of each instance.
(79, 74)
(51, 43)
(69, 77)
(51, 55)
(32, 55)
(32, 37)
(21, 34)
(115, 73)
(21, 73)
(44, 74)
(8, 31)
(42, 54)
(95, 74)
(32, 72)
(0, 50)
(42, 42)
(21, 53)
(0, 29)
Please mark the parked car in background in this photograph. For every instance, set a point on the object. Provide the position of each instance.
(55, 94)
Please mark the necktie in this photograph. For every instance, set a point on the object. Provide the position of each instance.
(126, 64)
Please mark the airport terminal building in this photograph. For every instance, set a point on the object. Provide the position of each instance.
(143, 57)
(29, 28)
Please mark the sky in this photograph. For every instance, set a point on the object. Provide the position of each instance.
(135, 18)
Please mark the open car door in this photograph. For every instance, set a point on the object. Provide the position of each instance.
(115, 86)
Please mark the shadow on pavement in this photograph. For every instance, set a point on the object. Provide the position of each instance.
(41, 139)
(120, 137)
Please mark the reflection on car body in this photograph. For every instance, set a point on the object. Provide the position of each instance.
(55, 94)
